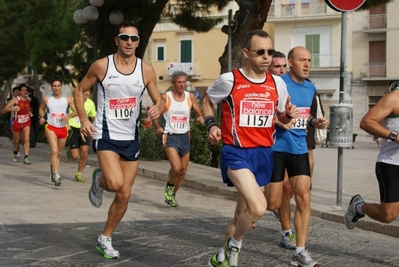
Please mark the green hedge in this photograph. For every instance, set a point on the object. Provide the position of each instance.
(201, 151)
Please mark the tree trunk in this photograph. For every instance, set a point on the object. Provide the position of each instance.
(255, 20)
(7, 90)
(147, 24)
(36, 87)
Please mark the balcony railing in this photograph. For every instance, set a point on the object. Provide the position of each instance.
(375, 22)
(374, 70)
(325, 60)
(292, 10)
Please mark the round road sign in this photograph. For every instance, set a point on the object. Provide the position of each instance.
(344, 5)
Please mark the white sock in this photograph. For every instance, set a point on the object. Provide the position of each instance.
(234, 243)
(102, 237)
(359, 208)
(284, 232)
(220, 257)
(299, 249)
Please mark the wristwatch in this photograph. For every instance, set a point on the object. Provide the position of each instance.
(393, 136)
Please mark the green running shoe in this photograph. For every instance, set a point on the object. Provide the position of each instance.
(170, 197)
(26, 161)
(213, 262)
(78, 178)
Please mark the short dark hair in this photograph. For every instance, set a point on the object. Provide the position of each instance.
(248, 38)
(15, 89)
(23, 85)
(56, 79)
(31, 90)
(126, 24)
(278, 54)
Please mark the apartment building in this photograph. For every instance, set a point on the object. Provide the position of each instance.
(371, 37)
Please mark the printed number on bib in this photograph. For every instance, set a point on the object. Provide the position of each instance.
(302, 120)
(256, 114)
(57, 117)
(122, 108)
(178, 122)
(23, 118)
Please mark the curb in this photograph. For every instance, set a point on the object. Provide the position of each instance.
(213, 184)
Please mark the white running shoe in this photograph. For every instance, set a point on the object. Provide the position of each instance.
(105, 247)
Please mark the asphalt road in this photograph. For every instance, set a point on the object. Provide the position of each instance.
(44, 225)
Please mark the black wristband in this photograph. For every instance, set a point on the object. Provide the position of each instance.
(310, 122)
(288, 116)
(209, 122)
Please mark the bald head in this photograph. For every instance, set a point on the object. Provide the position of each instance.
(300, 61)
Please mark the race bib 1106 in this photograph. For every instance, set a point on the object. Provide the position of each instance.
(121, 108)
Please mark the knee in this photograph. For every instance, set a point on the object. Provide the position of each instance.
(122, 197)
(84, 154)
(273, 202)
(183, 172)
(302, 200)
(115, 185)
(258, 210)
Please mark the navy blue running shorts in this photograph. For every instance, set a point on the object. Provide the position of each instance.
(126, 149)
(258, 160)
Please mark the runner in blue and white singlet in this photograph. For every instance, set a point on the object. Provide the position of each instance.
(119, 95)
(122, 79)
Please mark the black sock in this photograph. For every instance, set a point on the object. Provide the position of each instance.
(15, 152)
(168, 184)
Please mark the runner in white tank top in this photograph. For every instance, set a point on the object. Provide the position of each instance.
(175, 132)
(382, 120)
(56, 130)
(120, 96)
(57, 108)
(122, 80)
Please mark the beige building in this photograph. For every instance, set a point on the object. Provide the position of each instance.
(370, 56)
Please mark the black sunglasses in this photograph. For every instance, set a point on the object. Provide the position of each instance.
(125, 37)
(261, 52)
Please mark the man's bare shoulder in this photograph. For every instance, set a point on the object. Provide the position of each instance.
(147, 67)
(101, 63)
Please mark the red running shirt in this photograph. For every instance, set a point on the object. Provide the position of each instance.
(248, 113)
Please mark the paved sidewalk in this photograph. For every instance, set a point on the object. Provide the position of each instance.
(358, 173)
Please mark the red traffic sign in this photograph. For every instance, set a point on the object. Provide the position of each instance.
(344, 5)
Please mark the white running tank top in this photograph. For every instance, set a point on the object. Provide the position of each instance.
(389, 151)
(176, 116)
(118, 103)
(56, 109)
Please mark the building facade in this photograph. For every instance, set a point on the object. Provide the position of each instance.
(370, 40)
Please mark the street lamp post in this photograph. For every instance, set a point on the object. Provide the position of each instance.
(88, 17)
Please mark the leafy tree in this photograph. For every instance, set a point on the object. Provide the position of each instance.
(50, 37)
(13, 56)
(372, 3)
